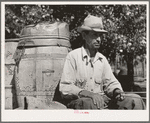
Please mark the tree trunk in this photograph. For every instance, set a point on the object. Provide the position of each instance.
(130, 70)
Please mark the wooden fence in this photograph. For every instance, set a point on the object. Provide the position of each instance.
(140, 67)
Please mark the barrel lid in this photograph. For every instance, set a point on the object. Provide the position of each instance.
(56, 29)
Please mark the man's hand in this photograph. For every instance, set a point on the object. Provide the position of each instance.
(118, 95)
(97, 98)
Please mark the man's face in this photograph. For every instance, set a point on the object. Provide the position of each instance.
(93, 39)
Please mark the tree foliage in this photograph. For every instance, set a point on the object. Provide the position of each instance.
(126, 24)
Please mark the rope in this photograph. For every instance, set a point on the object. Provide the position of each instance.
(130, 93)
(134, 92)
(127, 92)
(135, 97)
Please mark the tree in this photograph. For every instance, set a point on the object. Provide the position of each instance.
(133, 26)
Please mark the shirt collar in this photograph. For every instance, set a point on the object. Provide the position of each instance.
(85, 55)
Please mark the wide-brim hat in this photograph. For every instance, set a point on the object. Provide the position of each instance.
(92, 23)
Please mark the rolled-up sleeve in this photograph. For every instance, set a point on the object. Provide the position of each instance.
(109, 81)
(67, 86)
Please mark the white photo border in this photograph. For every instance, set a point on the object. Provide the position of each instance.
(70, 115)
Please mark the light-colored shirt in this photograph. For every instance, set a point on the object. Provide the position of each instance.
(80, 73)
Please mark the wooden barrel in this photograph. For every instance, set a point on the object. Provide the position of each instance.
(42, 48)
(10, 48)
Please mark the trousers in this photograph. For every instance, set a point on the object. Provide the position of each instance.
(131, 102)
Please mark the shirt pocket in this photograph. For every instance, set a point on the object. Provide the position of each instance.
(99, 84)
(98, 75)
(80, 82)
(98, 81)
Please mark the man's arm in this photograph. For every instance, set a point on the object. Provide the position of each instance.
(110, 83)
(67, 86)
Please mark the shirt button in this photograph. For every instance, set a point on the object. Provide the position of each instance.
(91, 89)
(90, 77)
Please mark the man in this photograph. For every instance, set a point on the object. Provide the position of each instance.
(87, 80)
